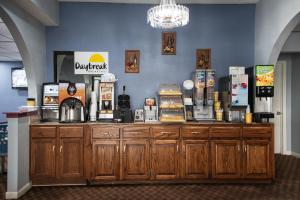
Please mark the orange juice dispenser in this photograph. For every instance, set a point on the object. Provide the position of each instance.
(264, 92)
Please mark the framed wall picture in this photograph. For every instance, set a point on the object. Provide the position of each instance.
(203, 59)
(132, 61)
(168, 43)
(18, 78)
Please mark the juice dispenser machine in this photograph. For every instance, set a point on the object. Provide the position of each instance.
(264, 92)
(204, 83)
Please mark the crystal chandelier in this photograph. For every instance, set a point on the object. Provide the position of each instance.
(168, 15)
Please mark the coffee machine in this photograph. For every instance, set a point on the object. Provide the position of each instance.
(72, 97)
(50, 104)
(107, 97)
(204, 81)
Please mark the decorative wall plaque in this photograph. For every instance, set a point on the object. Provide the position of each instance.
(132, 61)
(203, 59)
(168, 43)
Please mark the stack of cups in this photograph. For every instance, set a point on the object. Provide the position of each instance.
(217, 107)
(93, 108)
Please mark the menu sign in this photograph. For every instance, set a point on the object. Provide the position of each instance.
(264, 75)
(90, 62)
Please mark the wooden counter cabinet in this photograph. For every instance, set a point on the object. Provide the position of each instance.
(194, 159)
(106, 160)
(226, 159)
(258, 152)
(165, 159)
(56, 155)
(43, 154)
(136, 159)
(70, 157)
(105, 153)
(132, 153)
(257, 159)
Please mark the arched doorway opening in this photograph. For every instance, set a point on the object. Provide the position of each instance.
(286, 80)
(23, 49)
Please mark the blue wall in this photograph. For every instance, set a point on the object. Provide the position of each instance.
(11, 99)
(227, 29)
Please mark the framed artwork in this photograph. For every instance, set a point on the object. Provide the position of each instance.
(203, 59)
(18, 78)
(168, 43)
(132, 61)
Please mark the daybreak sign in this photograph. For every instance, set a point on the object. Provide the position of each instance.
(90, 62)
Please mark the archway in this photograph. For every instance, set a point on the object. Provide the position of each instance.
(277, 48)
(19, 40)
(270, 49)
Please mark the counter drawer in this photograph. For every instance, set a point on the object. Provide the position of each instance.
(225, 132)
(195, 132)
(166, 132)
(105, 132)
(263, 132)
(136, 132)
(74, 132)
(40, 132)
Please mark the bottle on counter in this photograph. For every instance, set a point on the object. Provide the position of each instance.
(248, 119)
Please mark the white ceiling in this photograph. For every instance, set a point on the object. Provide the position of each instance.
(178, 1)
(8, 48)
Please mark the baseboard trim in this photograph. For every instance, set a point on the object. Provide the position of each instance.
(296, 154)
(288, 153)
(21, 192)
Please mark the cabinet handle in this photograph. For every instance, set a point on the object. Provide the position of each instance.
(238, 148)
(124, 148)
(165, 132)
(53, 148)
(117, 148)
(195, 132)
(106, 133)
(60, 149)
(177, 147)
(245, 149)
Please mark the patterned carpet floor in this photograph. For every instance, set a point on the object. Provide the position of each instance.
(286, 187)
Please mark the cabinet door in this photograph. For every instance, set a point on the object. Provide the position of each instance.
(194, 163)
(257, 159)
(43, 158)
(106, 160)
(136, 158)
(165, 154)
(226, 158)
(71, 158)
